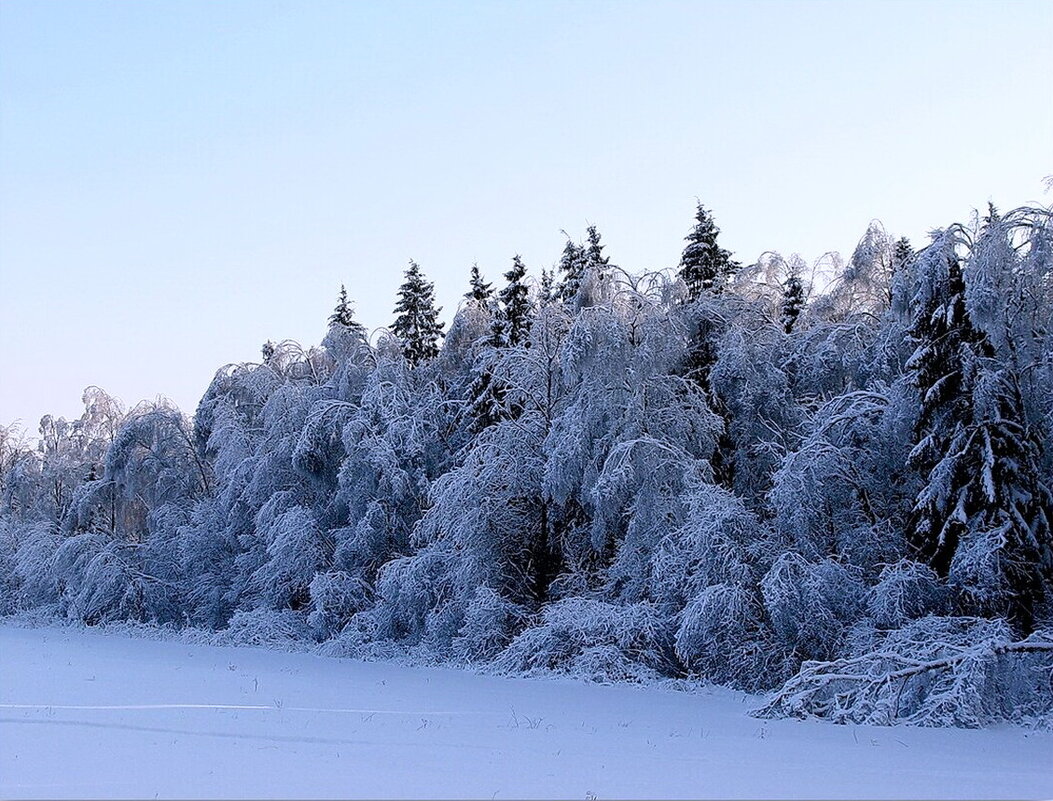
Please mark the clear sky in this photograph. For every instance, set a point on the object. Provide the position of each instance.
(181, 181)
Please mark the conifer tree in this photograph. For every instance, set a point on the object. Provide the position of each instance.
(417, 322)
(594, 258)
(902, 253)
(480, 291)
(510, 326)
(515, 305)
(942, 370)
(704, 265)
(983, 516)
(792, 302)
(344, 315)
(572, 266)
(898, 285)
(547, 291)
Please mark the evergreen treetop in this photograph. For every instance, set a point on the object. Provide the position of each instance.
(792, 302)
(344, 314)
(417, 322)
(572, 264)
(704, 265)
(594, 250)
(480, 290)
(515, 304)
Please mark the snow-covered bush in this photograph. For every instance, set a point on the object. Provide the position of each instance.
(906, 591)
(723, 637)
(570, 631)
(34, 565)
(408, 590)
(712, 547)
(276, 628)
(810, 604)
(9, 579)
(490, 623)
(336, 596)
(294, 553)
(111, 585)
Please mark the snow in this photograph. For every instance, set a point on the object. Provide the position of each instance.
(90, 714)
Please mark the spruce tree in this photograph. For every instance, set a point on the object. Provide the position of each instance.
(510, 326)
(902, 253)
(417, 318)
(344, 315)
(942, 370)
(547, 291)
(792, 302)
(515, 305)
(572, 266)
(902, 256)
(594, 258)
(480, 291)
(982, 517)
(704, 265)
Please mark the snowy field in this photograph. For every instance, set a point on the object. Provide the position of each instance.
(91, 714)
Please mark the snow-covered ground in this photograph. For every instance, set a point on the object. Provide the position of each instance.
(91, 714)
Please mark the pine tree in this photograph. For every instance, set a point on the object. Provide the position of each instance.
(705, 266)
(480, 290)
(515, 305)
(572, 266)
(344, 315)
(417, 318)
(792, 302)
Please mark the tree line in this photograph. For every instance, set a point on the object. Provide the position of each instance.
(830, 481)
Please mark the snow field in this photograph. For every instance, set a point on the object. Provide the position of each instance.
(90, 714)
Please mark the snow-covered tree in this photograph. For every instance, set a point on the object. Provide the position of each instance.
(830, 479)
(417, 322)
(705, 266)
(983, 515)
(793, 300)
(515, 309)
(479, 290)
(344, 315)
(594, 258)
(572, 266)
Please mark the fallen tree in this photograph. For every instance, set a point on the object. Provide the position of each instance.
(938, 671)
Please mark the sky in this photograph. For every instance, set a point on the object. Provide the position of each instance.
(182, 181)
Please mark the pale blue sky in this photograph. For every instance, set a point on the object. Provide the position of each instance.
(181, 181)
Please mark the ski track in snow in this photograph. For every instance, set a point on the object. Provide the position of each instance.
(99, 715)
